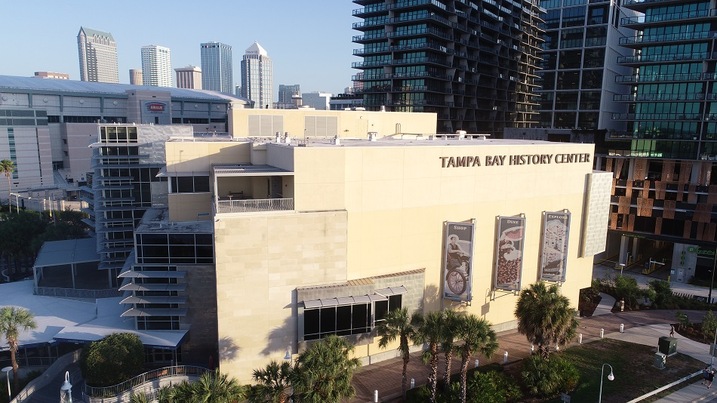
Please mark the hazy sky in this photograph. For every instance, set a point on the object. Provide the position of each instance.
(309, 41)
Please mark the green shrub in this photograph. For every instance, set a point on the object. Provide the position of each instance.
(709, 325)
(549, 377)
(682, 320)
(662, 297)
(626, 288)
(492, 387)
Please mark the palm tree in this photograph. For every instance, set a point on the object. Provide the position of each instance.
(545, 317)
(12, 321)
(451, 319)
(478, 337)
(323, 372)
(398, 325)
(273, 383)
(7, 167)
(430, 331)
(211, 387)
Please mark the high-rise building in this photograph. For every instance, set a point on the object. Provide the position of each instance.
(156, 66)
(664, 164)
(316, 100)
(135, 77)
(579, 65)
(189, 77)
(287, 92)
(257, 76)
(217, 67)
(98, 56)
(471, 62)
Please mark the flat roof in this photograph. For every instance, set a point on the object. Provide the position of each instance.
(55, 253)
(75, 320)
(38, 84)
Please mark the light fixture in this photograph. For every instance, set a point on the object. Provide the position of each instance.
(610, 377)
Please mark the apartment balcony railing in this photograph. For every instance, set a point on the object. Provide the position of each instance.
(666, 58)
(658, 116)
(254, 205)
(642, 19)
(662, 77)
(657, 97)
(683, 36)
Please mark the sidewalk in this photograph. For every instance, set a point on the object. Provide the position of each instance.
(643, 327)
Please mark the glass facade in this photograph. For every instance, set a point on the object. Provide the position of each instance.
(579, 62)
(672, 109)
(471, 62)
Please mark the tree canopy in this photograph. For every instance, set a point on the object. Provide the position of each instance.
(113, 359)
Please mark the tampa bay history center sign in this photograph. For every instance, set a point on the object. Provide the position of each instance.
(515, 159)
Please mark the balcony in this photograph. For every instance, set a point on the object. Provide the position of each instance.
(631, 22)
(254, 205)
(651, 39)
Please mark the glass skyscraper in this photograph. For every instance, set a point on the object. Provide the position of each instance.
(156, 66)
(217, 74)
(472, 63)
(257, 77)
(98, 56)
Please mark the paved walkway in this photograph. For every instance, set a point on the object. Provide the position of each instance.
(643, 327)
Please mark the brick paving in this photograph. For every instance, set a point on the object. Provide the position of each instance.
(386, 375)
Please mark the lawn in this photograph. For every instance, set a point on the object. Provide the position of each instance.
(633, 367)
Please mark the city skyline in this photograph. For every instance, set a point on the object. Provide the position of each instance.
(315, 50)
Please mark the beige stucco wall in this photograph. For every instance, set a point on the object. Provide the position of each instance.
(261, 260)
(379, 209)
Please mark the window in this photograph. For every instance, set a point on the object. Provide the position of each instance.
(393, 303)
(190, 184)
(337, 320)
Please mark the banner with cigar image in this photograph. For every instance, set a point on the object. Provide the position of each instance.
(509, 253)
(554, 249)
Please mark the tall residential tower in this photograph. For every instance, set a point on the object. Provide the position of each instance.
(257, 76)
(156, 66)
(98, 56)
(217, 67)
(471, 62)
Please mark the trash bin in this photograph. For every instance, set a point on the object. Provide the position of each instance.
(667, 345)
(660, 360)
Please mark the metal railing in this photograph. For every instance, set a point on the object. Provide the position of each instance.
(139, 380)
(254, 205)
(76, 293)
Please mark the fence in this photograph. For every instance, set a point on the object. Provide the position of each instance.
(122, 391)
(50, 374)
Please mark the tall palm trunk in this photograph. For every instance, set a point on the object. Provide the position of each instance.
(447, 375)
(13, 360)
(404, 377)
(464, 379)
(433, 375)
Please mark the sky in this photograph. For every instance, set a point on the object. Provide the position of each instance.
(309, 41)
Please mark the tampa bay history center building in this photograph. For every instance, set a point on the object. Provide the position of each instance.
(324, 234)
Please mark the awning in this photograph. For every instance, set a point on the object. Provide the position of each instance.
(389, 291)
(132, 312)
(342, 301)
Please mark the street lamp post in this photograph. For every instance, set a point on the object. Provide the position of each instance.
(712, 282)
(17, 202)
(610, 377)
(7, 370)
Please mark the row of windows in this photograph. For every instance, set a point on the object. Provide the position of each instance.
(669, 69)
(158, 323)
(110, 134)
(348, 319)
(189, 184)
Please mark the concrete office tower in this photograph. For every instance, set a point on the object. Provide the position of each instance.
(98, 56)
(664, 164)
(189, 77)
(580, 63)
(257, 76)
(217, 67)
(471, 62)
(316, 100)
(135, 77)
(156, 66)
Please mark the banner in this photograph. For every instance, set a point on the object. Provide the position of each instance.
(509, 253)
(458, 262)
(554, 250)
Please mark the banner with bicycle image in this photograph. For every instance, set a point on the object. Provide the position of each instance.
(554, 250)
(458, 262)
(509, 253)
